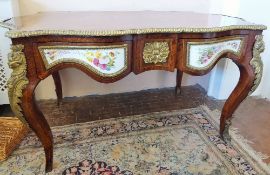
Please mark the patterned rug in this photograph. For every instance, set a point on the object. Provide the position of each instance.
(165, 143)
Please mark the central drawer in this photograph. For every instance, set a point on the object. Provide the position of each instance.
(154, 52)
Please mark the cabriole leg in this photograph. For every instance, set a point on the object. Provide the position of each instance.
(22, 100)
(58, 86)
(37, 122)
(237, 96)
(250, 77)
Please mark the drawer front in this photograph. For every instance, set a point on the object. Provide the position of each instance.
(102, 60)
(201, 55)
(155, 52)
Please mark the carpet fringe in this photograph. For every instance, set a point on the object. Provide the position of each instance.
(239, 141)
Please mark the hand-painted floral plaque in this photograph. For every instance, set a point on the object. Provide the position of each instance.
(107, 61)
(202, 55)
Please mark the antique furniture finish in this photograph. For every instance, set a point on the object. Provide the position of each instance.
(107, 46)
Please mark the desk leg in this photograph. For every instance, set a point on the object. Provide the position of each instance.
(179, 76)
(250, 77)
(37, 122)
(237, 96)
(58, 86)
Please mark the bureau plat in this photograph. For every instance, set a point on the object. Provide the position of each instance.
(108, 46)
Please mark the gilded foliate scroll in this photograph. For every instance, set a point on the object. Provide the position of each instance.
(156, 52)
(18, 80)
(256, 61)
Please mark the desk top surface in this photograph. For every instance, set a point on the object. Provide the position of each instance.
(106, 23)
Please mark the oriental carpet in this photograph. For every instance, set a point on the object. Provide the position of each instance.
(163, 143)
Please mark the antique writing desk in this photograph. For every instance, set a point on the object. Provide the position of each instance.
(107, 46)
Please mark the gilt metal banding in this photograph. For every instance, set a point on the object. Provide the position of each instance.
(256, 61)
(18, 80)
(19, 34)
(156, 52)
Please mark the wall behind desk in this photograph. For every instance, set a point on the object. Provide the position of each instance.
(76, 83)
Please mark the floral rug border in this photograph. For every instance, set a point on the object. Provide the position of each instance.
(237, 140)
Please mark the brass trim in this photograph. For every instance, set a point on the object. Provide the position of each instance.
(18, 80)
(256, 61)
(19, 34)
(72, 60)
(156, 52)
(217, 40)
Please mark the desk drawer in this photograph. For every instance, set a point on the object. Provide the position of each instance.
(103, 60)
(155, 52)
(200, 55)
